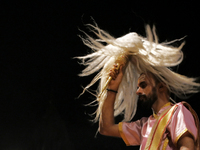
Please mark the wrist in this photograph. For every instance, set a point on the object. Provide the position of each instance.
(111, 90)
(115, 88)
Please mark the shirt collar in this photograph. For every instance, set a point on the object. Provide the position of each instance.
(162, 108)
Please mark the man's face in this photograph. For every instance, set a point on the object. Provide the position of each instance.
(146, 90)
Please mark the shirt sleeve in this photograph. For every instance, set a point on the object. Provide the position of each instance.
(181, 122)
(131, 132)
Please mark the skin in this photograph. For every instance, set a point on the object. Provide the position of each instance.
(146, 84)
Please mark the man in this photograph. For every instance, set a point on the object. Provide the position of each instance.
(154, 93)
(141, 67)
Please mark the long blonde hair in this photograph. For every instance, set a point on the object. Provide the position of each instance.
(144, 54)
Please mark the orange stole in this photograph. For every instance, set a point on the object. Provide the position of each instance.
(159, 128)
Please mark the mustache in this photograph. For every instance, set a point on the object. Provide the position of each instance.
(142, 96)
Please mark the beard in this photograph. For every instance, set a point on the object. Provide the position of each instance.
(148, 101)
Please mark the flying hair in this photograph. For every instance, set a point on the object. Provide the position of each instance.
(143, 54)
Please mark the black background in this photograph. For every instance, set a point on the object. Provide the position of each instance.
(39, 85)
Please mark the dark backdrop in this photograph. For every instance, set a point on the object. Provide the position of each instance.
(39, 85)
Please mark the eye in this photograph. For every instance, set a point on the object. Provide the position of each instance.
(143, 85)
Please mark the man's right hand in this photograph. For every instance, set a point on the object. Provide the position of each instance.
(117, 75)
(107, 124)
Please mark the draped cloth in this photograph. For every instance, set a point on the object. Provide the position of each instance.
(182, 120)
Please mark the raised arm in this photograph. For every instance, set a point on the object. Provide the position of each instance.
(107, 124)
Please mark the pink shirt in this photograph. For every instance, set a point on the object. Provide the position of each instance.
(136, 133)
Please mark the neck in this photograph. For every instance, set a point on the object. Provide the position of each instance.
(158, 104)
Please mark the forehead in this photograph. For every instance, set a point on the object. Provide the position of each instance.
(145, 78)
(142, 78)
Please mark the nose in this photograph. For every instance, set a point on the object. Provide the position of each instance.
(139, 91)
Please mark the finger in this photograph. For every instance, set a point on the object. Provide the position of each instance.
(116, 66)
(114, 71)
(112, 74)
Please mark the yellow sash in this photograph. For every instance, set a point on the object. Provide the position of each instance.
(159, 128)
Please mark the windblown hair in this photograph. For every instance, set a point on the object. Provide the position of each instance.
(144, 55)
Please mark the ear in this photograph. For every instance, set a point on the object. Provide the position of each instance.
(161, 87)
